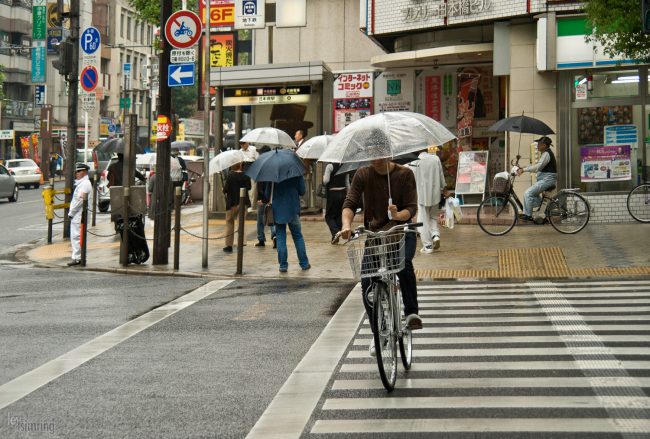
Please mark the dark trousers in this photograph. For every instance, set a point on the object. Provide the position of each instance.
(334, 210)
(407, 281)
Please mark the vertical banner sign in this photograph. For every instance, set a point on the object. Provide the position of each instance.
(222, 50)
(249, 14)
(39, 54)
(39, 20)
(433, 95)
(352, 98)
(222, 13)
(39, 95)
(467, 85)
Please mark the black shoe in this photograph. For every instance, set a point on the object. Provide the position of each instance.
(228, 249)
(74, 262)
(307, 267)
(275, 242)
(260, 244)
(524, 217)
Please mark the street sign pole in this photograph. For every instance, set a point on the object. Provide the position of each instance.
(206, 134)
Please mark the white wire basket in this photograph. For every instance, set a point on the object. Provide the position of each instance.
(377, 256)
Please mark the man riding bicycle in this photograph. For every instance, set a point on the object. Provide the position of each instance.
(546, 169)
(369, 190)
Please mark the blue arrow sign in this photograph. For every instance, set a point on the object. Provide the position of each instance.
(90, 40)
(179, 75)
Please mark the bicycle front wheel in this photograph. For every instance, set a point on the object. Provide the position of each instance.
(568, 213)
(638, 203)
(383, 328)
(497, 215)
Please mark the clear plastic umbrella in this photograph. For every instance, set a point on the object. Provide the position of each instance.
(225, 160)
(269, 136)
(385, 135)
(314, 147)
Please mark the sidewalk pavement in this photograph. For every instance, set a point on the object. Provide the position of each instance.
(466, 252)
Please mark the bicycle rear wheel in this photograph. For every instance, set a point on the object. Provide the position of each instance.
(568, 213)
(384, 333)
(638, 203)
(497, 215)
(406, 348)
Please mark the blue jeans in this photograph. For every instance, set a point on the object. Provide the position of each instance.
(298, 240)
(531, 197)
(260, 224)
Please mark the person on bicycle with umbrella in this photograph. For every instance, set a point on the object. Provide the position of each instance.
(369, 190)
(546, 169)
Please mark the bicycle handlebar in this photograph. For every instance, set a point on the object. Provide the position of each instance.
(407, 227)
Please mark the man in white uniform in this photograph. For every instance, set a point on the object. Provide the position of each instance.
(430, 180)
(81, 186)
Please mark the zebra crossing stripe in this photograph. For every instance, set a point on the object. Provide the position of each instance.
(512, 339)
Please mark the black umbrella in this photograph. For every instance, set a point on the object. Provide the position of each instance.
(116, 145)
(522, 124)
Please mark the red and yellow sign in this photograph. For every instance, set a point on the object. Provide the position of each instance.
(222, 50)
(222, 13)
(164, 128)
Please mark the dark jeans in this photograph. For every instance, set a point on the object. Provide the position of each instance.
(407, 280)
(334, 210)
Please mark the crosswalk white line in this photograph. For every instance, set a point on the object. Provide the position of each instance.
(454, 312)
(363, 341)
(477, 425)
(491, 297)
(492, 383)
(530, 301)
(502, 286)
(519, 290)
(514, 329)
(503, 366)
(492, 401)
(508, 352)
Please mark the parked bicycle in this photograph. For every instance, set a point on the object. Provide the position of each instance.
(566, 210)
(186, 191)
(380, 256)
(638, 202)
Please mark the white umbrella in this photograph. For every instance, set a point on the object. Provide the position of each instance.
(269, 136)
(149, 159)
(314, 147)
(385, 135)
(225, 160)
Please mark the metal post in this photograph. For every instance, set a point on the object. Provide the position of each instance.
(124, 242)
(49, 231)
(206, 135)
(177, 226)
(240, 231)
(73, 93)
(84, 228)
(94, 222)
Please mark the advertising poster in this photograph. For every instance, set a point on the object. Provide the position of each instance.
(222, 50)
(621, 135)
(605, 163)
(352, 98)
(472, 172)
(436, 97)
(394, 91)
(24, 146)
(467, 85)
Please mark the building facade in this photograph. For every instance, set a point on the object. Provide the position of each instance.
(506, 58)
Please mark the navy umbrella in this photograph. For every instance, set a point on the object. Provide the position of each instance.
(276, 166)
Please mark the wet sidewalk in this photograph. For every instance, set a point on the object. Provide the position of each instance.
(466, 252)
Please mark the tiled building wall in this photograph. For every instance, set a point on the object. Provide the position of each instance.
(406, 15)
(608, 208)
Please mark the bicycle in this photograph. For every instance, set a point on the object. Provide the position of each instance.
(186, 191)
(380, 256)
(566, 210)
(638, 203)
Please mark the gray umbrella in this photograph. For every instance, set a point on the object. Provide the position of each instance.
(116, 145)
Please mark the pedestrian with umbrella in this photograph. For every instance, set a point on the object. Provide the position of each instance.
(546, 166)
(284, 169)
(235, 181)
(386, 191)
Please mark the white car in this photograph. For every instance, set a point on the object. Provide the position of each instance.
(26, 172)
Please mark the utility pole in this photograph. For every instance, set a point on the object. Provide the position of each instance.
(162, 219)
(73, 86)
(206, 133)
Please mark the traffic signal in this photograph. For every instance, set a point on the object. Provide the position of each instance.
(63, 63)
(645, 16)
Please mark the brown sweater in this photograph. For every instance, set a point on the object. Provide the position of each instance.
(369, 190)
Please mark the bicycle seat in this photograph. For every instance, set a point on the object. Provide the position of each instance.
(549, 192)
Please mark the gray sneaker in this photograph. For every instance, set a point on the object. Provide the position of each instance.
(413, 322)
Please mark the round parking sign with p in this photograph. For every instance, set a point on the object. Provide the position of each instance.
(88, 78)
(90, 40)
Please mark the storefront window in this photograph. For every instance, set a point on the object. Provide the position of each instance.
(595, 85)
(606, 147)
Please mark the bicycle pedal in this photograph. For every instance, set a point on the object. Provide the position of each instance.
(371, 297)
